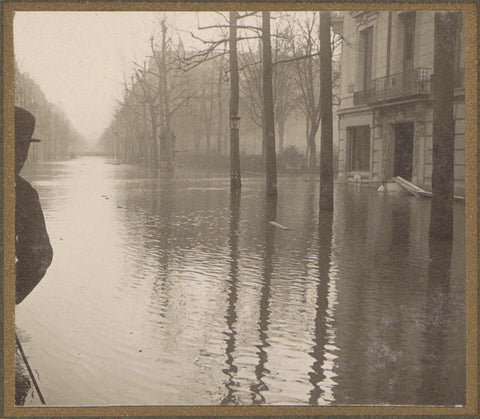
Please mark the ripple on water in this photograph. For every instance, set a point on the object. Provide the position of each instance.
(168, 292)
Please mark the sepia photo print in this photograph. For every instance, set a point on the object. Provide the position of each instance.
(250, 207)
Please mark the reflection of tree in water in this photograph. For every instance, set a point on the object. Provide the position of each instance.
(309, 223)
(373, 360)
(317, 375)
(435, 380)
(231, 314)
(159, 232)
(264, 317)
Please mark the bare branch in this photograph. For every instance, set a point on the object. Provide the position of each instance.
(254, 28)
(222, 15)
(247, 15)
(197, 63)
(289, 60)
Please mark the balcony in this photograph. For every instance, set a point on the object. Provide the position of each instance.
(407, 84)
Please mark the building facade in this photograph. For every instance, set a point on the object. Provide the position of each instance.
(386, 111)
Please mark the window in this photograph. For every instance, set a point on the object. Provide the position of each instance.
(408, 20)
(459, 42)
(459, 52)
(366, 54)
(358, 148)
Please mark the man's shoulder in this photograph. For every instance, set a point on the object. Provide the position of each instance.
(23, 187)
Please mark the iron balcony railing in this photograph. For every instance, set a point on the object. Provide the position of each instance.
(396, 86)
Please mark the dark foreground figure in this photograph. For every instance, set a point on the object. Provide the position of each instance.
(32, 245)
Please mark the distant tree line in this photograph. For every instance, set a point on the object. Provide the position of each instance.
(59, 139)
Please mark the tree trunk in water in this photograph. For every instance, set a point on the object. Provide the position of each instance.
(154, 139)
(268, 116)
(312, 147)
(209, 117)
(235, 177)
(167, 136)
(203, 106)
(441, 220)
(281, 134)
(326, 130)
(307, 130)
(220, 113)
(196, 143)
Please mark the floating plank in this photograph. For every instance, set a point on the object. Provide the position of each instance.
(409, 186)
(273, 223)
(416, 190)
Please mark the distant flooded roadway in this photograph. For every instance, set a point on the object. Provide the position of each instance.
(171, 292)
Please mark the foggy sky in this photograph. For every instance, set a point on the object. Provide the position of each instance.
(80, 59)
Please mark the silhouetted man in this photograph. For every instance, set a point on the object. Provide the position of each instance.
(32, 245)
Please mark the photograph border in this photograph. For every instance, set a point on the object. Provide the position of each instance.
(7, 329)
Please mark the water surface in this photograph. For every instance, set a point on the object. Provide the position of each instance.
(170, 291)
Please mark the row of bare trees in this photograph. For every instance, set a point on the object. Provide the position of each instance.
(59, 139)
(175, 101)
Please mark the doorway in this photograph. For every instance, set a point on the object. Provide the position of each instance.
(403, 159)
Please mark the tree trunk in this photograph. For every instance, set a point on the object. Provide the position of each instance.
(196, 143)
(167, 135)
(307, 130)
(281, 133)
(312, 147)
(209, 116)
(441, 220)
(268, 115)
(219, 112)
(154, 138)
(326, 130)
(235, 177)
(148, 145)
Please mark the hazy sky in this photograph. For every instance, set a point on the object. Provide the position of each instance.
(79, 59)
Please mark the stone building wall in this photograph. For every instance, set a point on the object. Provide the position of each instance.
(381, 117)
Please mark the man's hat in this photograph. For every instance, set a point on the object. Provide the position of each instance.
(24, 126)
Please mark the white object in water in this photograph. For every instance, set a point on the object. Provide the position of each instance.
(273, 223)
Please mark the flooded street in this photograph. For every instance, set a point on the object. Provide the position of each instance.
(171, 292)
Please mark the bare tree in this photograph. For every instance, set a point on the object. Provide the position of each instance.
(305, 49)
(207, 107)
(268, 108)
(212, 51)
(441, 221)
(220, 103)
(284, 95)
(284, 88)
(235, 175)
(251, 85)
(146, 91)
(160, 89)
(307, 78)
(326, 149)
(61, 139)
(174, 93)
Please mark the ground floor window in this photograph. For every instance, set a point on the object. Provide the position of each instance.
(358, 148)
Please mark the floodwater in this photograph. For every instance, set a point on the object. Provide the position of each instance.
(168, 291)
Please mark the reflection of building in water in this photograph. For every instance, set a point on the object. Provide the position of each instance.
(398, 317)
(386, 111)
